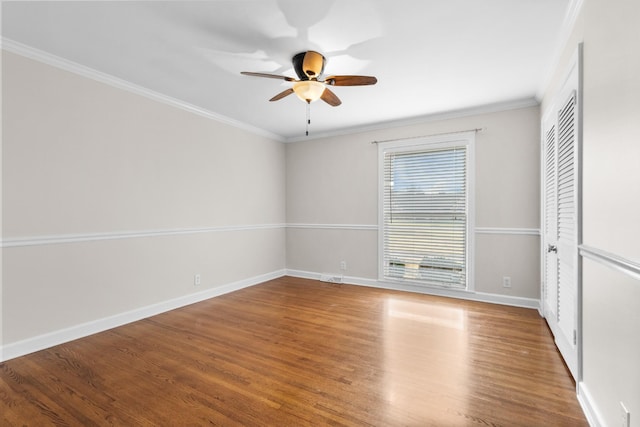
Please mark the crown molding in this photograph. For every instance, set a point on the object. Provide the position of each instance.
(44, 57)
(573, 10)
(90, 73)
(515, 104)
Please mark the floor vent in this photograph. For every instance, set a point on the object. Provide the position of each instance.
(330, 278)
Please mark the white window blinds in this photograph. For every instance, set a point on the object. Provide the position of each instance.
(424, 215)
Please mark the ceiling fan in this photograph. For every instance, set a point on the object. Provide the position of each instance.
(310, 85)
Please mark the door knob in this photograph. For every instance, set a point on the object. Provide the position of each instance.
(552, 248)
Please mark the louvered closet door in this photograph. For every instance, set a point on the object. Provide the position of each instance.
(561, 227)
(561, 141)
(550, 291)
(567, 221)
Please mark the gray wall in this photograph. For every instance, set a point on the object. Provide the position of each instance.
(611, 204)
(85, 162)
(113, 202)
(332, 201)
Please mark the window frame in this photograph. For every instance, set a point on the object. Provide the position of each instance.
(442, 141)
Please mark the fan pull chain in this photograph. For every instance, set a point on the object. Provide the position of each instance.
(308, 117)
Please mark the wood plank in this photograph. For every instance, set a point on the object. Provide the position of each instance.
(300, 352)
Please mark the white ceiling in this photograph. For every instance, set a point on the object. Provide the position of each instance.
(430, 56)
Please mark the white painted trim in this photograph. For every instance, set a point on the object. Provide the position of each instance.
(30, 345)
(73, 67)
(92, 237)
(471, 212)
(591, 413)
(373, 227)
(570, 347)
(441, 140)
(44, 57)
(460, 294)
(610, 260)
(512, 230)
(573, 10)
(447, 115)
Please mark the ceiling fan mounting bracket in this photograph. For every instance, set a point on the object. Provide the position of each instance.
(308, 65)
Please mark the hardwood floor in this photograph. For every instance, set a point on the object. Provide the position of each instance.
(295, 352)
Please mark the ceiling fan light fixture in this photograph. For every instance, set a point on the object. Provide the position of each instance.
(308, 90)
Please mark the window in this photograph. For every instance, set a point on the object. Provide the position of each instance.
(425, 210)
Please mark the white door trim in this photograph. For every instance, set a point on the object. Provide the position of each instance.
(566, 330)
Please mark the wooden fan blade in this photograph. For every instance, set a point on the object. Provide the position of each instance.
(270, 76)
(282, 94)
(330, 98)
(350, 80)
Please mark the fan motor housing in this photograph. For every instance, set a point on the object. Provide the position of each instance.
(308, 65)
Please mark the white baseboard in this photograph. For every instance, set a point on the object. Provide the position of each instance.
(466, 295)
(30, 345)
(588, 406)
(41, 342)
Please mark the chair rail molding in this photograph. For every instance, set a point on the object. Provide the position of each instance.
(610, 260)
(508, 230)
(91, 237)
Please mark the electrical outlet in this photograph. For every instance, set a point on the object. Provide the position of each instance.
(625, 416)
(343, 265)
(506, 282)
(196, 280)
